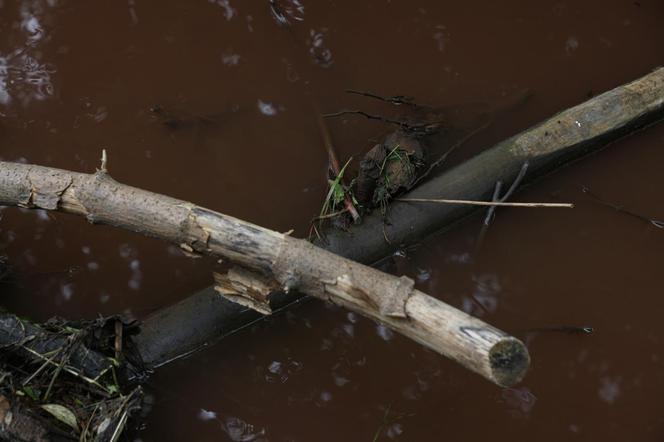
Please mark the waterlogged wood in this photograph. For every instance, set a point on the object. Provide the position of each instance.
(553, 143)
(292, 264)
(203, 317)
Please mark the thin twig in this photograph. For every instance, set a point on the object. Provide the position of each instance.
(657, 223)
(329, 147)
(387, 240)
(571, 329)
(516, 183)
(334, 165)
(485, 203)
(46, 363)
(490, 213)
(104, 162)
(118, 339)
(329, 215)
(380, 428)
(396, 100)
(415, 128)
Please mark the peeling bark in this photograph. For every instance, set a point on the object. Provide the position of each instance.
(246, 288)
(289, 263)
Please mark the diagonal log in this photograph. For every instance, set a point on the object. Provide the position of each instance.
(583, 129)
(286, 262)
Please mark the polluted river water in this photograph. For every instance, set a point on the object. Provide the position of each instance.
(212, 102)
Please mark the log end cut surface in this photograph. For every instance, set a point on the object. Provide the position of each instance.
(509, 361)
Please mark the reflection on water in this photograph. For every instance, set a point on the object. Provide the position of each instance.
(285, 12)
(229, 11)
(609, 388)
(236, 428)
(520, 401)
(267, 108)
(281, 371)
(24, 76)
(240, 431)
(24, 79)
(320, 53)
(484, 298)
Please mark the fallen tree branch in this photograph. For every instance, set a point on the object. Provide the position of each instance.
(286, 262)
(202, 318)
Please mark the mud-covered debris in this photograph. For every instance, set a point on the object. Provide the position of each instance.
(388, 169)
(65, 380)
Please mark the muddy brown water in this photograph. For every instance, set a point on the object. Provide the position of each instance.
(78, 76)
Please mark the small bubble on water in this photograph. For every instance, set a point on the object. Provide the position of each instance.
(340, 381)
(385, 333)
(206, 415)
(609, 389)
(571, 45)
(67, 291)
(274, 367)
(394, 430)
(423, 275)
(266, 108)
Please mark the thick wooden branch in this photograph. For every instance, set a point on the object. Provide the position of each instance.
(292, 264)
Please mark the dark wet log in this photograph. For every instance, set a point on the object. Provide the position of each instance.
(203, 317)
(269, 260)
(553, 143)
(33, 343)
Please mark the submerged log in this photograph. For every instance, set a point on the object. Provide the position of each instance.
(562, 138)
(203, 318)
(270, 259)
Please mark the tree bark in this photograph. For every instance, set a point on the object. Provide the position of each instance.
(202, 318)
(271, 260)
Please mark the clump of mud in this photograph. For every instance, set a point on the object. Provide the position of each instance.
(389, 168)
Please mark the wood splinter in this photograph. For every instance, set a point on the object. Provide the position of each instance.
(280, 260)
(246, 288)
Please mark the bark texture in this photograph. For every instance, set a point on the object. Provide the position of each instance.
(282, 261)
